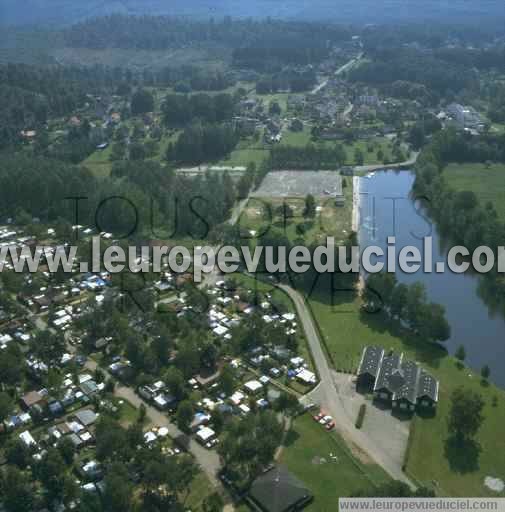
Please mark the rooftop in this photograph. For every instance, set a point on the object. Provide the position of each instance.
(371, 360)
(278, 490)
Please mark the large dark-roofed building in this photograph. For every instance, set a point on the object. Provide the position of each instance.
(369, 366)
(427, 390)
(278, 490)
(383, 388)
(400, 382)
(406, 396)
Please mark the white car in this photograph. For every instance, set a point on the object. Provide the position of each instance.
(325, 419)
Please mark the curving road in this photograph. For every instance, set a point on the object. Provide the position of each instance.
(376, 167)
(326, 394)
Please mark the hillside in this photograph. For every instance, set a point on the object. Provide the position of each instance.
(369, 11)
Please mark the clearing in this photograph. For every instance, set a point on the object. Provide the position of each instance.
(324, 464)
(487, 181)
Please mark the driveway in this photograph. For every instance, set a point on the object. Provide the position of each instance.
(328, 395)
(207, 459)
(386, 430)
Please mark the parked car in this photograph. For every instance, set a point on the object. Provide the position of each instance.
(81, 360)
(325, 420)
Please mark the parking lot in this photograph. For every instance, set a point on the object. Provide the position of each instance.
(379, 425)
(300, 183)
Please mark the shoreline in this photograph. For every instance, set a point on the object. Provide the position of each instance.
(355, 203)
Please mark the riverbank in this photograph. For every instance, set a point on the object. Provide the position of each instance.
(434, 459)
(355, 203)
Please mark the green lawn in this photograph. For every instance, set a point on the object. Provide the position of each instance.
(347, 330)
(454, 470)
(243, 157)
(497, 128)
(370, 157)
(309, 454)
(488, 182)
(330, 221)
(128, 413)
(98, 162)
(280, 98)
(301, 139)
(201, 488)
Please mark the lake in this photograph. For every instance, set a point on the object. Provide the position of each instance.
(386, 209)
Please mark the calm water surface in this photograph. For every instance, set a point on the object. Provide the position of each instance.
(388, 210)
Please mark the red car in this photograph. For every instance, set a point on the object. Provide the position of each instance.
(330, 426)
(319, 416)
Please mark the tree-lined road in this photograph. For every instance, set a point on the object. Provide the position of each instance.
(339, 71)
(376, 167)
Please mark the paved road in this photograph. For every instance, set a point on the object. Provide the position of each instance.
(207, 459)
(338, 72)
(326, 394)
(369, 168)
(202, 169)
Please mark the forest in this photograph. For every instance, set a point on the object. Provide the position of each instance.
(391, 65)
(459, 214)
(285, 39)
(161, 202)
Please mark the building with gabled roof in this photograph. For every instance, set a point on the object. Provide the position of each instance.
(405, 396)
(369, 366)
(278, 490)
(383, 388)
(427, 390)
(396, 380)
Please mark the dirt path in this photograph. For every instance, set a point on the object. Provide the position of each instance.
(280, 449)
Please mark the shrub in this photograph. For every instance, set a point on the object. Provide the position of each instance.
(361, 416)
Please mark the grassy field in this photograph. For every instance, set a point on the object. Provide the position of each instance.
(370, 157)
(300, 139)
(346, 329)
(455, 470)
(488, 182)
(98, 162)
(243, 157)
(280, 98)
(310, 455)
(329, 221)
(201, 488)
(433, 460)
(247, 151)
